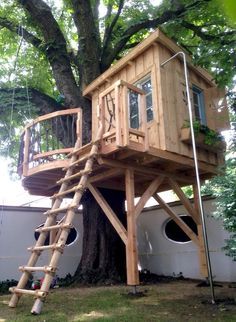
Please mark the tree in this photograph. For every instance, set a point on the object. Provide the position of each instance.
(64, 45)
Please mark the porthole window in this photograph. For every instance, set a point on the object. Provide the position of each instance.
(174, 233)
(70, 239)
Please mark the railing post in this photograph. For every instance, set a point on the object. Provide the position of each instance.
(118, 115)
(144, 121)
(79, 132)
(26, 152)
(125, 110)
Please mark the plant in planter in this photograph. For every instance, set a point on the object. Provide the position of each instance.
(205, 137)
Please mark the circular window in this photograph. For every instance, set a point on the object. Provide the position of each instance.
(70, 239)
(174, 233)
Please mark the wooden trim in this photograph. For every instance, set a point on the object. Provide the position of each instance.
(47, 154)
(137, 132)
(185, 201)
(52, 115)
(156, 36)
(125, 112)
(48, 166)
(118, 116)
(154, 185)
(131, 246)
(188, 231)
(79, 126)
(114, 220)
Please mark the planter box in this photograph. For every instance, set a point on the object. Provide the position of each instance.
(185, 137)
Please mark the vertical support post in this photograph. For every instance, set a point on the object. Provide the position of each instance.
(26, 152)
(117, 116)
(131, 246)
(201, 248)
(144, 121)
(79, 127)
(125, 113)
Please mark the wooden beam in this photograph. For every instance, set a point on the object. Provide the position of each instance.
(188, 231)
(154, 185)
(114, 220)
(131, 246)
(185, 201)
(105, 175)
(201, 247)
(141, 169)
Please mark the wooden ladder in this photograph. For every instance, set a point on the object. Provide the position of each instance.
(62, 228)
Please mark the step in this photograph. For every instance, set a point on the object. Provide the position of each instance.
(46, 247)
(45, 269)
(66, 192)
(85, 158)
(54, 227)
(76, 175)
(37, 293)
(58, 210)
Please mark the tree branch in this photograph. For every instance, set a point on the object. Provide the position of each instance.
(21, 31)
(154, 23)
(55, 49)
(109, 29)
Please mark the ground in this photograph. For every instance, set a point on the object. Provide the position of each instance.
(172, 301)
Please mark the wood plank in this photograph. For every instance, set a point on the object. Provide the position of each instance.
(188, 231)
(53, 152)
(185, 201)
(131, 246)
(201, 247)
(154, 185)
(141, 169)
(52, 115)
(114, 220)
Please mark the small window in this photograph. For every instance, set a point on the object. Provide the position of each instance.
(174, 233)
(198, 105)
(70, 239)
(134, 109)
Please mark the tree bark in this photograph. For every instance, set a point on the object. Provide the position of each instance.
(103, 256)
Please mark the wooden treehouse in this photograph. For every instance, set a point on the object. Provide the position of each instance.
(140, 144)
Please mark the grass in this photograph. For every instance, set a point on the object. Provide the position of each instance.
(176, 301)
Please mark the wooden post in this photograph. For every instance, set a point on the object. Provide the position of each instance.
(125, 112)
(131, 246)
(144, 121)
(79, 127)
(26, 152)
(118, 115)
(201, 246)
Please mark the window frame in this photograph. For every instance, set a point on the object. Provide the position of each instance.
(200, 106)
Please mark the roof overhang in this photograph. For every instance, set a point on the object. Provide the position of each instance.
(155, 37)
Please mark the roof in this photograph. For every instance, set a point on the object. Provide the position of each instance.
(156, 36)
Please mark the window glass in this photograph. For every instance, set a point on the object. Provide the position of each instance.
(198, 105)
(70, 239)
(174, 233)
(134, 108)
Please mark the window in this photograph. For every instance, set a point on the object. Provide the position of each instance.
(198, 105)
(73, 234)
(134, 110)
(174, 233)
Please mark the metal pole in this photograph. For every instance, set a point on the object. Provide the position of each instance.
(197, 173)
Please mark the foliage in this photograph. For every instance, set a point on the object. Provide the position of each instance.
(4, 285)
(211, 137)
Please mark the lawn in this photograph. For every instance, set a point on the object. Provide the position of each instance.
(176, 301)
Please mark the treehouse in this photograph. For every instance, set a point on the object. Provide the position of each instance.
(141, 144)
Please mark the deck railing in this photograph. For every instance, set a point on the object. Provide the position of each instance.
(115, 115)
(49, 138)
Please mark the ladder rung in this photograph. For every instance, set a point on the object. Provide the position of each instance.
(37, 293)
(45, 269)
(54, 227)
(58, 210)
(86, 157)
(61, 194)
(45, 247)
(76, 175)
(73, 152)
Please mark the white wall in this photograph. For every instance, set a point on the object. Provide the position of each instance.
(156, 253)
(17, 234)
(162, 256)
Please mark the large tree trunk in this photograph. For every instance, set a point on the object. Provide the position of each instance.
(103, 257)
